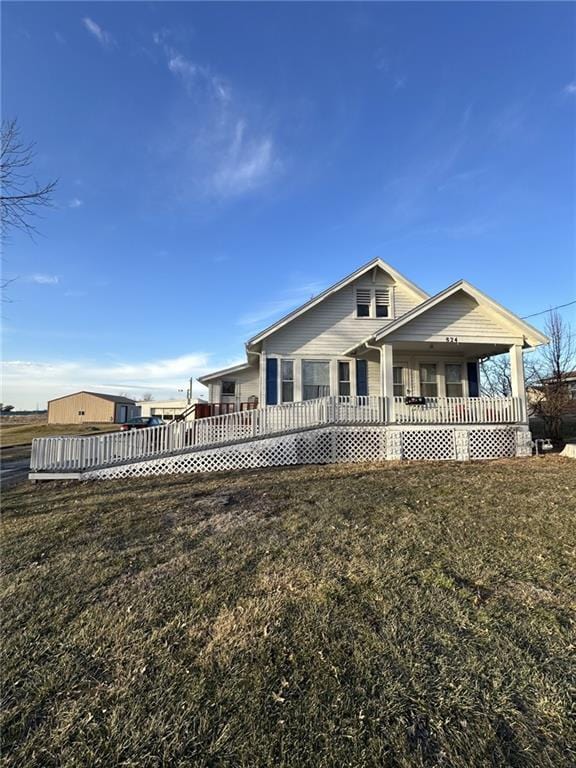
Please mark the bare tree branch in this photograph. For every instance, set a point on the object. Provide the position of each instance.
(551, 371)
(21, 196)
(495, 374)
(547, 372)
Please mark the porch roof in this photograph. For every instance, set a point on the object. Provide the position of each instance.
(223, 372)
(532, 337)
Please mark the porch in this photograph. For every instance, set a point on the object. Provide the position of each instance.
(442, 419)
(398, 410)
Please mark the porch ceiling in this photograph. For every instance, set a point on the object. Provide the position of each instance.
(462, 349)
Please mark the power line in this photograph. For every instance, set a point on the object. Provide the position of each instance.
(544, 311)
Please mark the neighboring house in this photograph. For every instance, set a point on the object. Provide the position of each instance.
(376, 333)
(93, 407)
(169, 409)
(567, 392)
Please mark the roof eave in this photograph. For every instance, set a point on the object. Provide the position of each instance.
(218, 374)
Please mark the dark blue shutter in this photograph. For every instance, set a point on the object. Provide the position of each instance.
(473, 388)
(361, 378)
(271, 381)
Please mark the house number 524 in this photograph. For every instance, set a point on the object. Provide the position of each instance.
(452, 339)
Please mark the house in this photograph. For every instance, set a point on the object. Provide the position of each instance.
(92, 407)
(376, 333)
(170, 409)
(373, 368)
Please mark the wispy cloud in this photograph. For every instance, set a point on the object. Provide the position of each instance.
(196, 76)
(247, 163)
(43, 279)
(476, 227)
(75, 203)
(282, 304)
(570, 88)
(27, 381)
(458, 179)
(510, 123)
(387, 65)
(226, 151)
(104, 38)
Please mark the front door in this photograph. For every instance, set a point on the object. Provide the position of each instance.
(122, 414)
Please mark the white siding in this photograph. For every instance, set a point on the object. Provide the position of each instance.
(332, 326)
(459, 315)
(247, 385)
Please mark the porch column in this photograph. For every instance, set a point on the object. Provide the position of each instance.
(262, 382)
(387, 380)
(517, 377)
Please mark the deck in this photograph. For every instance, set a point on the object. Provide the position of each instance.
(79, 454)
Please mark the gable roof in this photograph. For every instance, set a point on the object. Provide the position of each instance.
(378, 263)
(111, 398)
(533, 337)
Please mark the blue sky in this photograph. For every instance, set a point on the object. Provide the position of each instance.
(220, 163)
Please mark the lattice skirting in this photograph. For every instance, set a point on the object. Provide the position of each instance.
(334, 445)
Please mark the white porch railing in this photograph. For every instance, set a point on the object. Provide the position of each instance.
(460, 410)
(81, 453)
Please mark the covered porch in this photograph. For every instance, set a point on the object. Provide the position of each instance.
(438, 382)
(429, 359)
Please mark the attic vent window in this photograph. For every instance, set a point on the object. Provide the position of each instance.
(373, 302)
(363, 302)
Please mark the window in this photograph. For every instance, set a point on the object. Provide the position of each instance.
(344, 379)
(373, 302)
(363, 302)
(81, 413)
(428, 381)
(315, 379)
(398, 381)
(454, 380)
(382, 302)
(228, 387)
(287, 381)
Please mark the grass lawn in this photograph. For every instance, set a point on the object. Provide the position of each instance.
(361, 615)
(17, 434)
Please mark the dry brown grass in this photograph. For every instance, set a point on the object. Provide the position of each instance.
(361, 615)
(22, 432)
